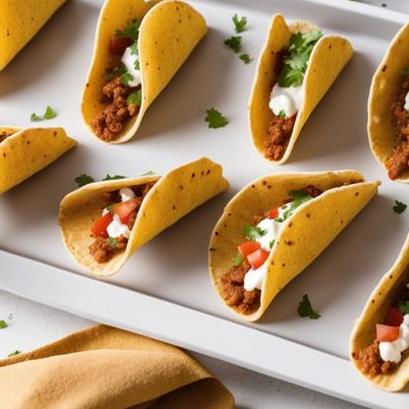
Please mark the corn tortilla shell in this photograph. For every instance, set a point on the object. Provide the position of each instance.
(328, 58)
(311, 228)
(172, 197)
(169, 32)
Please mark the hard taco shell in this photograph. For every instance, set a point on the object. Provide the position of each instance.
(374, 312)
(328, 58)
(27, 151)
(172, 197)
(311, 228)
(169, 32)
(386, 84)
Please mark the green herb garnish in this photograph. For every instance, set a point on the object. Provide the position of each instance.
(16, 352)
(295, 64)
(3, 324)
(246, 58)
(48, 114)
(130, 31)
(282, 114)
(113, 177)
(238, 260)
(399, 207)
(298, 197)
(240, 24)
(135, 98)
(112, 241)
(234, 42)
(251, 232)
(271, 244)
(404, 307)
(126, 78)
(215, 119)
(305, 309)
(83, 180)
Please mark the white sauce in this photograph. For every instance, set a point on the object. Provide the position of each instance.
(392, 351)
(126, 194)
(128, 59)
(406, 106)
(116, 229)
(286, 100)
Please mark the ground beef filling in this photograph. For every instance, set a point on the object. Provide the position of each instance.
(370, 362)
(114, 117)
(398, 162)
(103, 248)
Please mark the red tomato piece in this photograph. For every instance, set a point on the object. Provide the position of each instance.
(117, 45)
(386, 333)
(257, 258)
(125, 209)
(99, 228)
(273, 213)
(394, 317)
(248, 247)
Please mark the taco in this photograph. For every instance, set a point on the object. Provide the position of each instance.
(24, 152)
(388, 109)
(103, 223)
(138, 50)
(20, 20)
(274, 228)
(295, 69)
(379, 345)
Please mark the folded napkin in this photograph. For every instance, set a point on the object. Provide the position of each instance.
(106, 368)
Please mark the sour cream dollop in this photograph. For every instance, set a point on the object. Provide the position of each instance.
(406, 106)
(392, 351)
(286, 100)
(128, 59)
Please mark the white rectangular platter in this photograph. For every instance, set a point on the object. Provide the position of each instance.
(164, 290)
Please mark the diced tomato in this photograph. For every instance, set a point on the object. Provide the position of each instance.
(386, 333)
(394, 317)
(257, 258)
(125, 209)
(117, 45)
(248, 247)
(273, 213)
(99, 228)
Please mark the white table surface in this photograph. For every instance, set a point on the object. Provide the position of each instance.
(32, 325)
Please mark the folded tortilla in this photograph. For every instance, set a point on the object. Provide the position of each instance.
(328, 58)
(169, 32)
(20, 20)
(312, 227)
(25, 152)
(173, 196)
(386, 84)
(374, 312)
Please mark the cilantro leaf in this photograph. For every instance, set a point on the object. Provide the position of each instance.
(305, 309)
(112, 241)
(113, 177)
(296, 62)
(404, 307)
(239, 23)
(126, 78)
(282, 114)
(135, 98)
(16, 352)
(399, 207)
(271, 244)
(298, 197)
(35, 118)
(48, 114)
(246, 58)
(130, 31)
(83, 180)
(238, 260)
(3, 324)
(215, 119)
(252, 232)
(234, 42)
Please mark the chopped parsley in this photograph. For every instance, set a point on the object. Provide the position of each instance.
(238, 260)
(271, 244)
(135, 98)
(240, 24)
(295, 64)
(305, 309)
(252, 232)
(234, 42)
(130, 31)
(113, 177)
(135, 51)
(215, 119)
(399, 207)
(83, 180)
(112, 241)
(3, 324)
(404, 307)
(298, 197)
(282, 114)
(16, 352)
(48, 114)
(246, 58)
(126, 78)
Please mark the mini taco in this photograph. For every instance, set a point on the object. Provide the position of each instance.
(138, 50)
(379, 345)
(24, 152)
(103, 223)
(296, 68)
(20, 20)
(274, 228)
(388, 109)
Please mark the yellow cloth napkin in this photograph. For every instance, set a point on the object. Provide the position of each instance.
(106, 368)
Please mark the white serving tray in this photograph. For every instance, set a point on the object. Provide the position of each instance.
(164, 290)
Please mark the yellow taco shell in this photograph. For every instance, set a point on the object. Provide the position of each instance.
(20, 20)
(312, 227)
(328, 58)
(386, 84)
(373, 313)
(169, 32)
(26, 151)
(173, 196)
